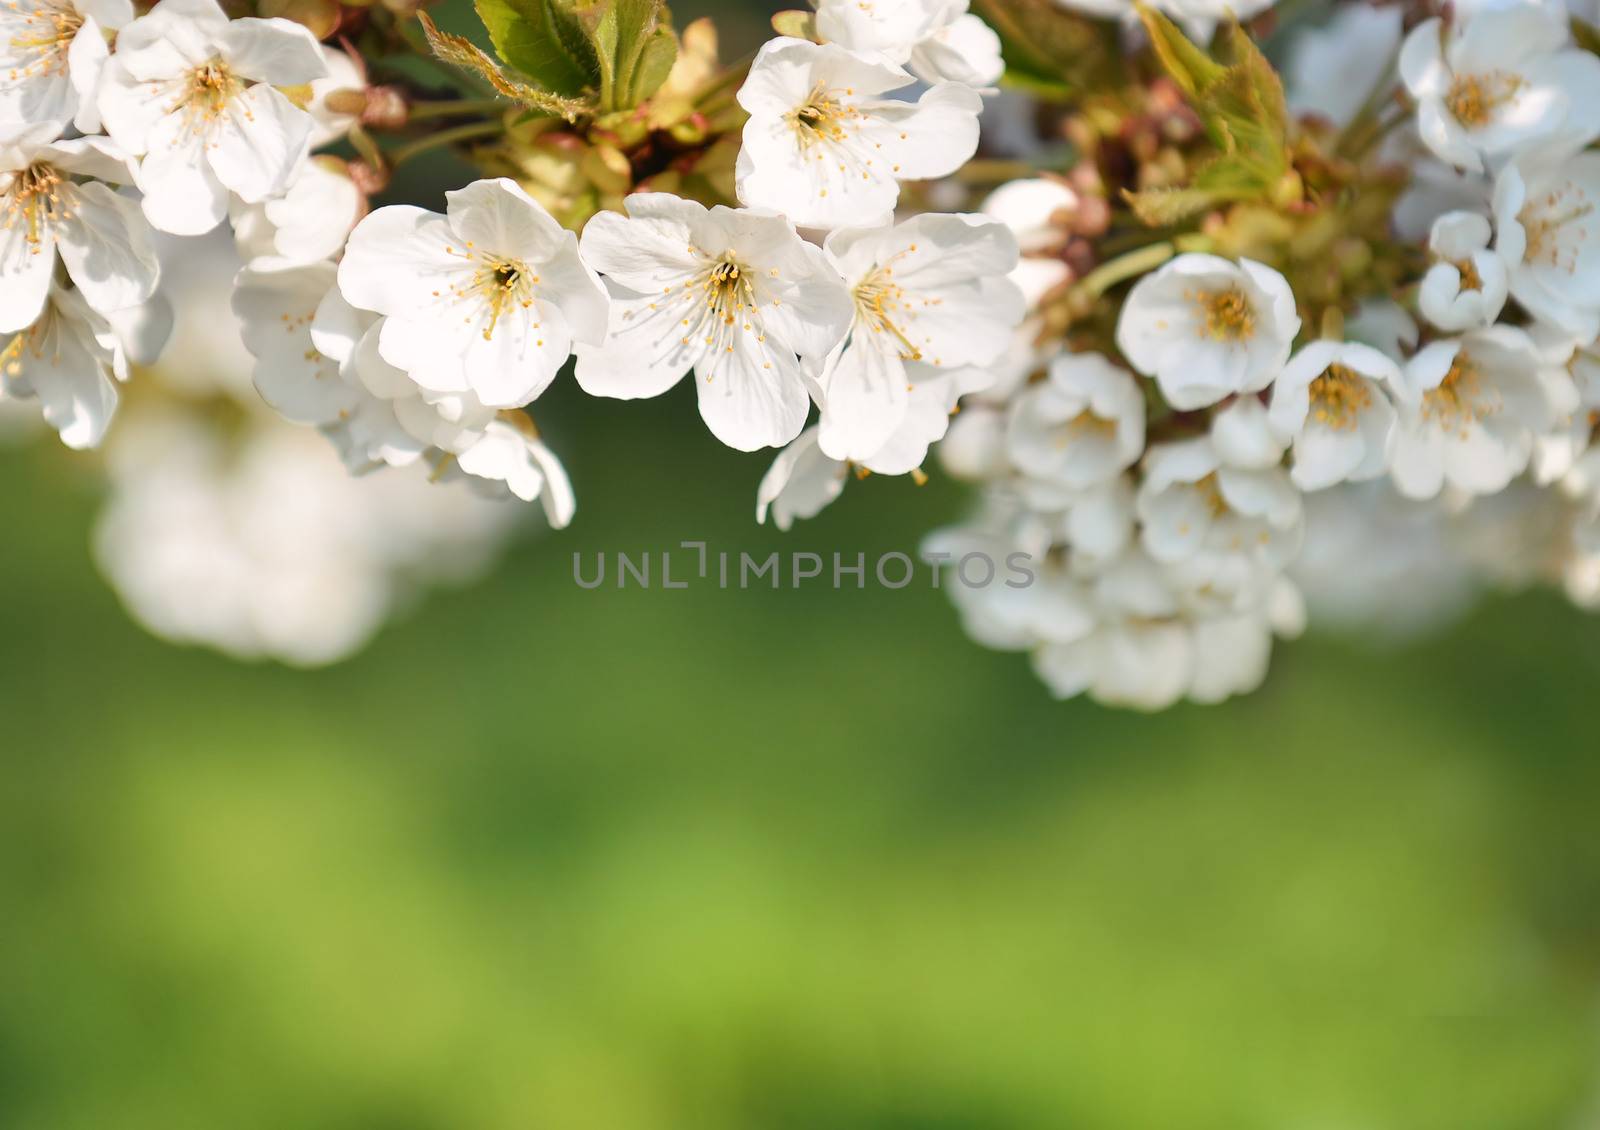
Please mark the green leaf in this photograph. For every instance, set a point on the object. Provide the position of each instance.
(1164, 207)
(628, 38)
(543, 39)
(460, 52)
(655, 64)
(1191, 68)
(1241, 105)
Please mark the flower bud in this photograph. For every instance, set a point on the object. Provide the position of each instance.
(347, 101)
(367, 178)
(386, 107)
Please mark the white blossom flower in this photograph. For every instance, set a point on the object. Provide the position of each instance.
(733, 294)
(824, 148)
(804, 478)
(1379, 566)
(928, 293)
(1149, 664)
(1191, 505)
(394, 419)
(1135, 662)
(100, 236)
(1547, 219)
(1470, 408)
(1334, 70)
(51, 56)
(72, 358)
(1029, 208)
(1147, 650)
(1082, 425)
(1244, 435)
(1433, 189)
(194, 95)
(276, 305)
(1019, 596)
(1466, 286)
(1505, 78)
(974, 448)
(510, 460)
(255, 541)
(310, 221)
(801, 482)
(487, 299)
(961, 48)
(1332, 398)
(933, 398)
(1206, 328)
(937, 40)
(318, 363)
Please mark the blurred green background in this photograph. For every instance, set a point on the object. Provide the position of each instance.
(545, 857)
(706, 860)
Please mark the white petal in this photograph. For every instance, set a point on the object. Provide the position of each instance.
(560, 504)
(398, 261)
(25, 271)
(864, 397)
(648, 250)
(182, 195)
(753, 396)
(258, 141)
(107, 249)
(274, 51)
(645, 354)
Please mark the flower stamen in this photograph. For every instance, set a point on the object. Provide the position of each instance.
(1338, 397)
(1473, 99)
(1225, 315)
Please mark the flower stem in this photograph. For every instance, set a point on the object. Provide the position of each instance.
(467, 132)
(456, 107)
(1124, 267)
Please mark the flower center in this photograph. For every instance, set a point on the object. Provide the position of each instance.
(505, 285)
(46, 34)
(1544, 219)
(29, 345)
(1457, 401)
(879, 302)
(1084, 426)
(1473, 99)
(728, 295)
(1470, 279)
(1225, 315)
(206, 91)
(1211, 492)
(39, 197)
(1338, 397)
(822, 117)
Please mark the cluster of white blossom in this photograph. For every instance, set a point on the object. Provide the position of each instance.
(411, 337)
(226, 526)
(1166, 566)
(1159, 482)
(99, 149)
(1159, 565)
(424, 336)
